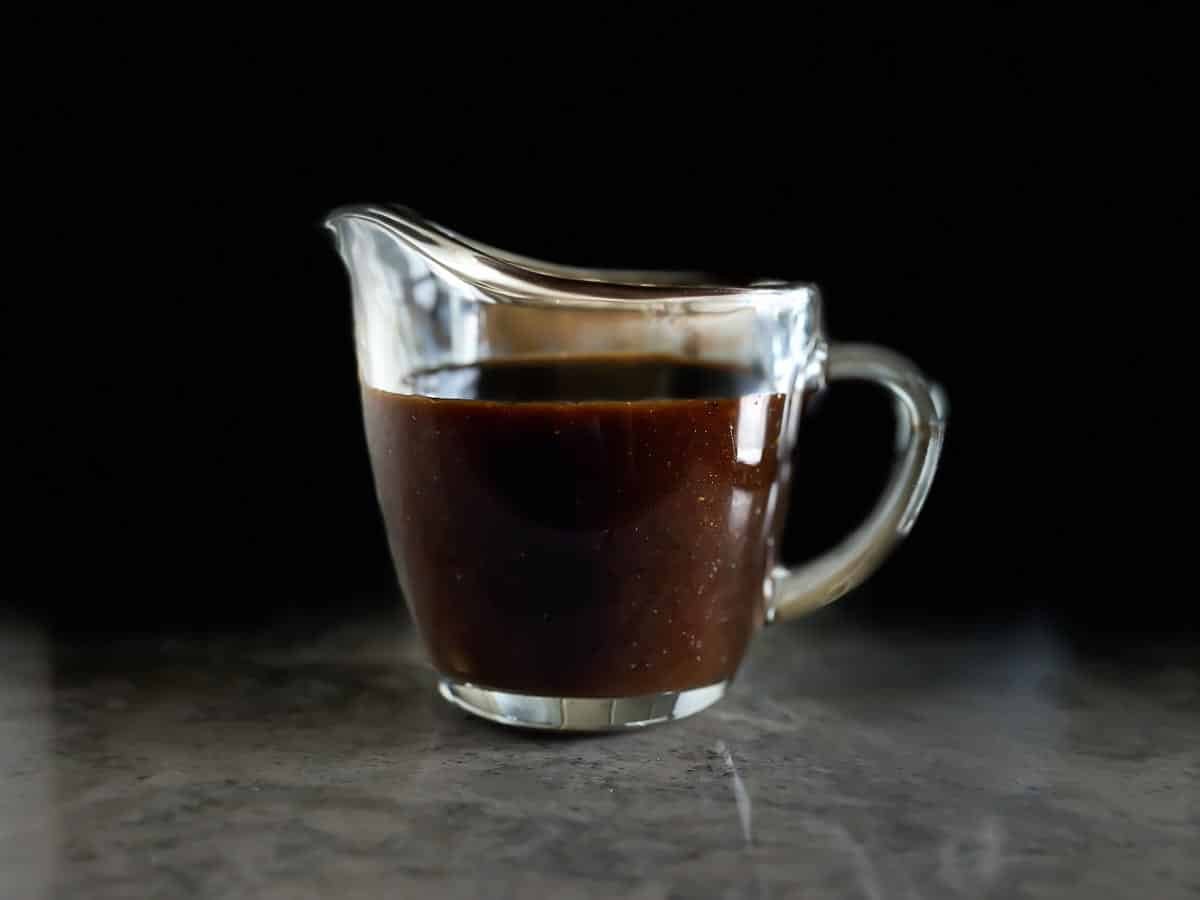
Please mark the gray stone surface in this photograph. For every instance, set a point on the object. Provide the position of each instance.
(849, 761)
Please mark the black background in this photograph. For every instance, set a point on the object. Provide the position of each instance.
(971, 194)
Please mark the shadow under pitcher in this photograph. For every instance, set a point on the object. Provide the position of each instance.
(583, 473)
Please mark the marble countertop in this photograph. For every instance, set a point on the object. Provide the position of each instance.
(849, 761)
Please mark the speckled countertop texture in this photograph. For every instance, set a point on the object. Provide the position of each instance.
(849, 761)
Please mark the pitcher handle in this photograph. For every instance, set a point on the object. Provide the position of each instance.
(921, 409)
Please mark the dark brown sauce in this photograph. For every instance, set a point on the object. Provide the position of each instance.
(594, 527)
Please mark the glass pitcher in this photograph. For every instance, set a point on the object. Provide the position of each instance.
(583, 473)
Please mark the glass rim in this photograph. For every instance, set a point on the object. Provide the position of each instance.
(502, 276)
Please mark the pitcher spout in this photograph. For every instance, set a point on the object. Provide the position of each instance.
(414, 293)
(394, 241)
(503, 275)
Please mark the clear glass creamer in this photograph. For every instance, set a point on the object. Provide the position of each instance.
(584, 473)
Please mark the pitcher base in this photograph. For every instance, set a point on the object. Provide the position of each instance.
(579, 713)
